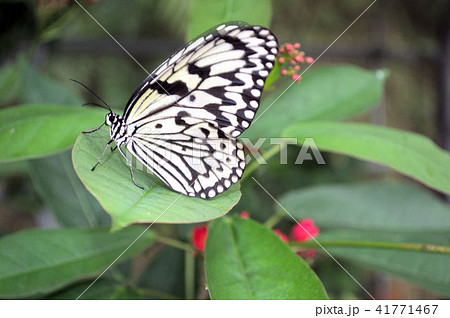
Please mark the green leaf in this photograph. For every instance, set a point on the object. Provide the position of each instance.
(13, 168)
(41, 261)
(11, 79)
(411, 154)
(421, 268)
(102, 289)
(205, 14)
(111, 184)
(123, 292)
(58, 185)
(377, 206)
(244, 260)
(325, 93)
(379, 212)
(42, 89)
(165, 274)
(32, 131)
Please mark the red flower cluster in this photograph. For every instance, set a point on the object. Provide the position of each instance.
(291, 58)
(302, 231)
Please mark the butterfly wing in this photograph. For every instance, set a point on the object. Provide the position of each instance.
(213, 84)
(216, 78)
(194, 158)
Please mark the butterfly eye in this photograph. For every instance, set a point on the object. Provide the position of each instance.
(109, 119)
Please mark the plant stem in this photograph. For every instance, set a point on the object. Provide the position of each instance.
(189, 275)
(174, 243)
(266, 155)
(274, 219)
(156, 293)
(437, 249)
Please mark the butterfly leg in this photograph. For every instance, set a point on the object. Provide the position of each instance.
(131, 167)
(103, 154)
(113, 148)
(93, 130)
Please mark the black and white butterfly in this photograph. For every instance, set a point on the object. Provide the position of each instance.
(183, 120)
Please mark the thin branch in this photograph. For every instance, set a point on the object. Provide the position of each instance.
(429, 248)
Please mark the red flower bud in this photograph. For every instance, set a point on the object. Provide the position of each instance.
(304, 231)
(244, 215)
(281, 60)
(199, 234)
(307, 254)
(283, 72)
(295, 77)
(289, 47)
(309, 60)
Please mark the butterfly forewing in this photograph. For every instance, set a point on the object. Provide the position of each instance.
(186, 115)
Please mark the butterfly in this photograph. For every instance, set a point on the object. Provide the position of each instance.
(183, 120)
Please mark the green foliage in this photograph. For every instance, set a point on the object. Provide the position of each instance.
(244, 260)
(394, 228)
(205, 14)
(32, 131)
(356, 214)
(111, 184)
(45, 260)
(103, 289)
(420, 267)
(71, 204)
(325, 93)
(411, 154)
(367, 206)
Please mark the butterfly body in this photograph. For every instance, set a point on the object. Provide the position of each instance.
(183, 120)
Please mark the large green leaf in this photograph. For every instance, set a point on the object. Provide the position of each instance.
(425, 269)
(126, 293)
(165, 274)
(111, 184)
(325, 93)
(205, 14)
(411, 154)
(244, 260)
(32, 131)
(102, 289)
(40, 261)
(58, 185)
(379, 212)
(53, 176)
(11, 80)
(40, 88)
(376, 206)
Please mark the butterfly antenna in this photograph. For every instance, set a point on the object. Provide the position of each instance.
(92, 92)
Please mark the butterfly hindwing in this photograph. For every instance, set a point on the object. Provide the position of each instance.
(193, 158)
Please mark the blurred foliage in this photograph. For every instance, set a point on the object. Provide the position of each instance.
(395, 46)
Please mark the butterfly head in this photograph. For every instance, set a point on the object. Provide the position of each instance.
(112, 119)
(118, 129)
